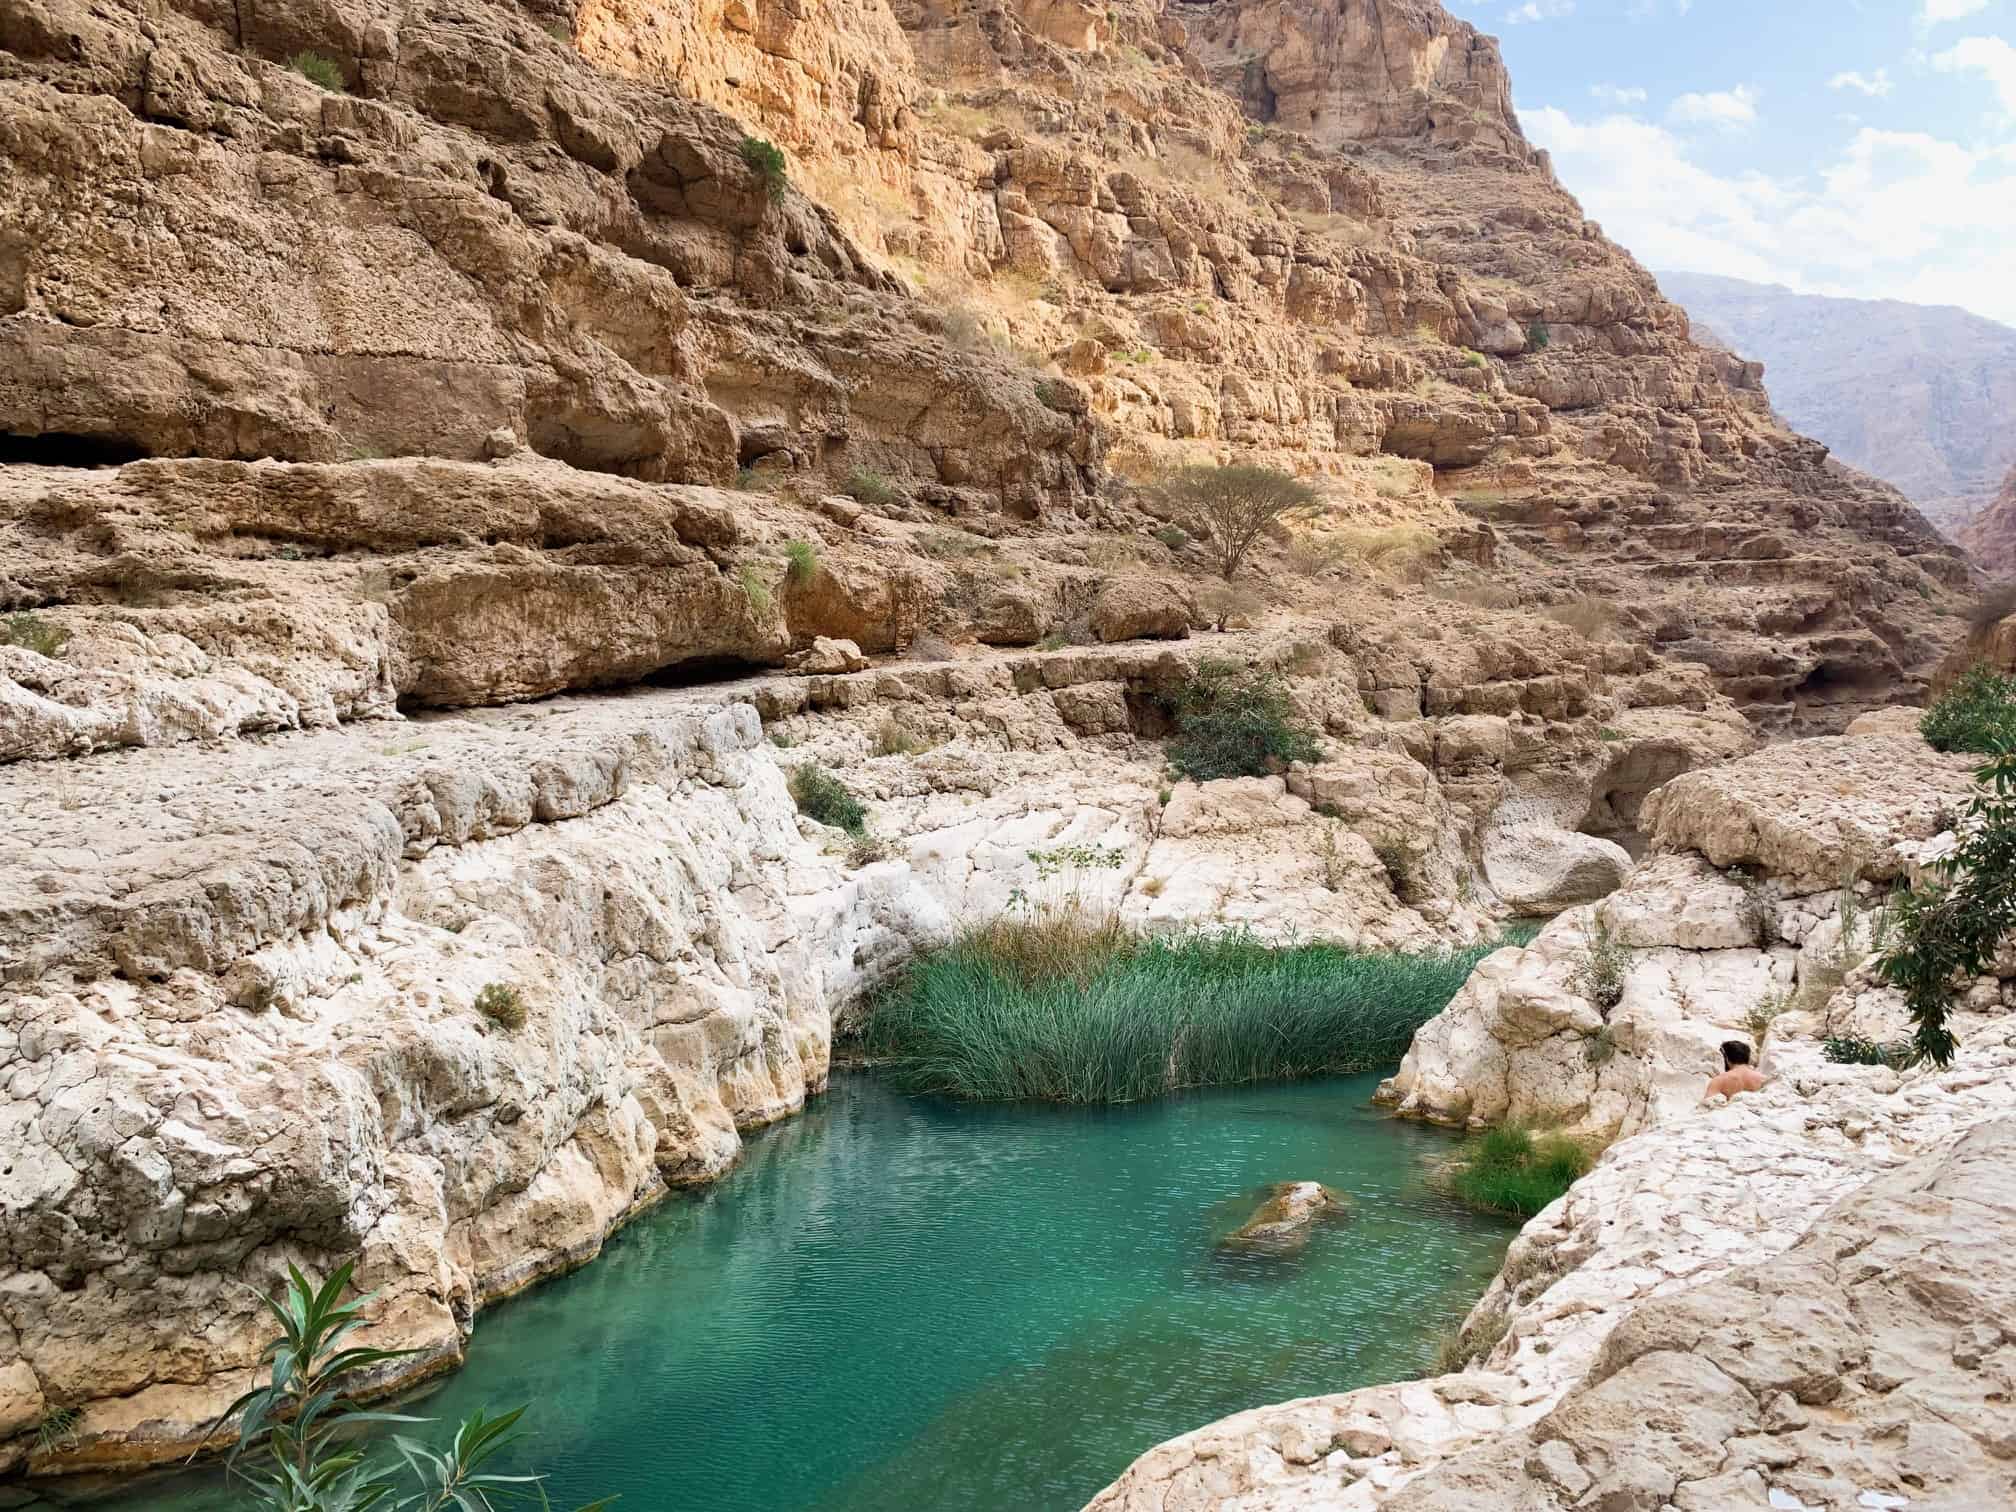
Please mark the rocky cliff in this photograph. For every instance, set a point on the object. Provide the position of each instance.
(370, 373)
(1010, 246)
(1917, 395)
(1798, 1298)
(1991, 534)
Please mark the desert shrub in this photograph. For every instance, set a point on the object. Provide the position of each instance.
(1600, 1047)
(1538, 337)
(1222, 602)
(891, 739)
(502, 1004)
(317, 70)
(1397, 859)
(1992, 607)
(1474, 359)
(1175, 537)
(801, 562)
(761, 600)
(31, 632)
(1064, 1005)
(866, 849)
(824, 799)
(1762, 1015)
(1601, 968)
(1948, 925)
(1512, 1170)
(1234, 721)
(1335, 871)
(298, 1449)
(1853, 1050)
(1588, 616)
(1759, 907)
(768, 160)
(871, 488)
(1228, 508)
(1977, 714)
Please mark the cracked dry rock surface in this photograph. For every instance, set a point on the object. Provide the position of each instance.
(1802, 1299)
(196, 947)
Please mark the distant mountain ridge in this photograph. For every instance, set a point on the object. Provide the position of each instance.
(1923, 396)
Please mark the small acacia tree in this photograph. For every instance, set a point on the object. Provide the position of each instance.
(1948, 925)
(1227, 508)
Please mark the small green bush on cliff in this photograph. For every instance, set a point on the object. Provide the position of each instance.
(322, 72)
(1977, 714)
(824, 799)
(1234, 721)
(502, 1004)
(1512, 1170)
(767, 158)
(1945, 928)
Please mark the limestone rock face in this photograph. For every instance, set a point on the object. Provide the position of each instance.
(1542, 871)
(1812, 811)
(1991, 534)
(212, 944)
(1732, 1298)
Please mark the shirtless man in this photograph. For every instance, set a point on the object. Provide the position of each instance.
(1738, 1076)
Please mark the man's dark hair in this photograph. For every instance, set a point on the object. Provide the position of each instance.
(1735, 1053)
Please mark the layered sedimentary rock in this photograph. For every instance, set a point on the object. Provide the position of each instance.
(1798, 1297)
(1003, 244)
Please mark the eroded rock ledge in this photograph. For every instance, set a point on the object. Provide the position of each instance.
(1803, 1299)
(238, 1027)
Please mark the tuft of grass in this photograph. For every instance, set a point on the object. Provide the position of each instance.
(31, 632)
(502, 1004)
(1460, 1345)
(865, 850)
(1234, 721)
(865, 487)
(317, 70)
(801, 562)
(1538, 337)
(1064, 1005)
(56, 1428)
(1977, 714)
(824, 799)
(767, 158)
(762, 602)
(1509, 1169)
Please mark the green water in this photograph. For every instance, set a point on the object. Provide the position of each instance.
(903, 1304)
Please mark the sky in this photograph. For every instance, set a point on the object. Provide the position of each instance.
(1864, 148)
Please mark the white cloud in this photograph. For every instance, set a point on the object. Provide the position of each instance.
(1611, 94)
(1875, 85)
(1991, 57)
(1899, 215)
(1539, 10)
(1724, 109)
(1932, 12)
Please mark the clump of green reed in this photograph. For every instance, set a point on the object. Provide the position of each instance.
(1065, 1005)
(1512, 1170)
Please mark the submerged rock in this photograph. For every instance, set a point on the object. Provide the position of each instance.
(1282, 1224)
